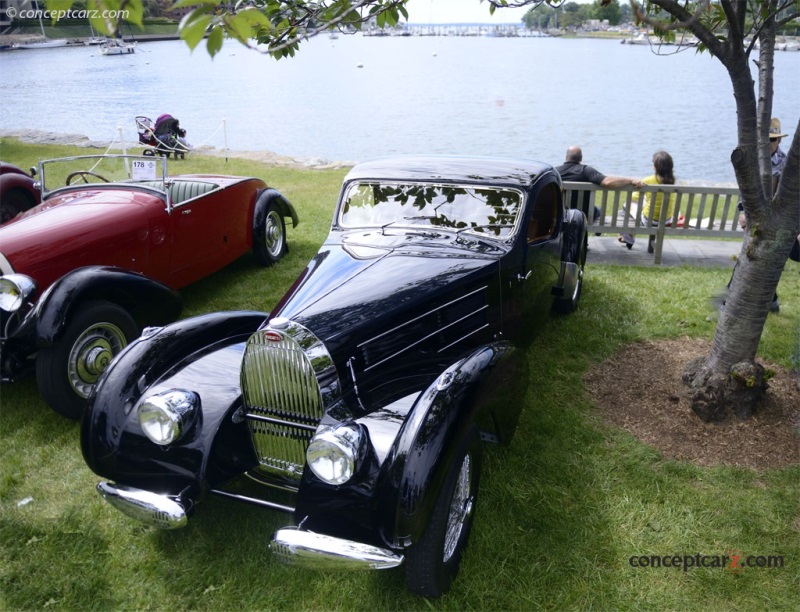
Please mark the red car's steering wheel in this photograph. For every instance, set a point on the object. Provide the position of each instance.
(83, 174)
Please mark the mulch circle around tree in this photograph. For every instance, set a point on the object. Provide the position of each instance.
(640, 389)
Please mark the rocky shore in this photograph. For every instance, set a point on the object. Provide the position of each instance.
(266, 157)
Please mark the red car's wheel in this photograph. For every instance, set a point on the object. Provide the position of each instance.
(271, 247)
(67, 371)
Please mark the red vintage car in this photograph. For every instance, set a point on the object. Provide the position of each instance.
(18, 191)
(102, 256)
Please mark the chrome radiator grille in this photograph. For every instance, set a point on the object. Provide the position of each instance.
(282, 397)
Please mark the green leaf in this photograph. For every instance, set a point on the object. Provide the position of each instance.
(238, 26)
(255, 17)
(247, 24)
(214, 42)
(272, 8)
(135, 11)
(193, 27)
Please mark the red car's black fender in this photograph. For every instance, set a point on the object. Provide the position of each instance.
(263, 201)
(148, 301)
(17, 181)
(112, 442)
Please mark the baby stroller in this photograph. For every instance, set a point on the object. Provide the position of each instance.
(165, 136)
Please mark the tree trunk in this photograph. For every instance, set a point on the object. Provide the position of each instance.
(728, 383)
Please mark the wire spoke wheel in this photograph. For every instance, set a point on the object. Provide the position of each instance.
(460, 509)
(433, 561)
(274, 236)
(269, 236)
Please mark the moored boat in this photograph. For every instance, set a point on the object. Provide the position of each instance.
(117, 46)
(46, 43)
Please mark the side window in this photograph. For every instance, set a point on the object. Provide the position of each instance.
(544, 217)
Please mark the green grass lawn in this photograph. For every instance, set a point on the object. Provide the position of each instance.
(561, 512)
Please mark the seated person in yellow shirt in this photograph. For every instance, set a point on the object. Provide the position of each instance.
(664, 175)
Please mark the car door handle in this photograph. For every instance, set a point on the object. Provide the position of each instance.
(521, 278)
(186, 211)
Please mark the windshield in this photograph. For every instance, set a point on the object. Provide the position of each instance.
(489, 211)
(101, 169)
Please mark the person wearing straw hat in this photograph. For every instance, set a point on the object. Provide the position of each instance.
(778, 162)
(778, 156)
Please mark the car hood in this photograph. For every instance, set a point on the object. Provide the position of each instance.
(364, 279)
(65, 230)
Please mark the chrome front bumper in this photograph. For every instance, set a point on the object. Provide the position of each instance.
(149, 508)
(321, 552)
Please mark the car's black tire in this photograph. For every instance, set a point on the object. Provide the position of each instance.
(13, 202)
(66, 371)
(569, 303)
(432, 563)
(269, 244)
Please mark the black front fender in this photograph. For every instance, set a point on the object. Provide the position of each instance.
(201, 354)
(443, 414)
(148, 301)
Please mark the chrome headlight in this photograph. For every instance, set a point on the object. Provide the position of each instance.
(15, 290)
(333, 455)
(167, 416)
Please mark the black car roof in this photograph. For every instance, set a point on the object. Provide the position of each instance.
(485, 170)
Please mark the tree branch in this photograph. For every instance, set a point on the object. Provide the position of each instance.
(683, 20)
(323, 26)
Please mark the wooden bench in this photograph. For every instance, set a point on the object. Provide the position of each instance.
(699, 211)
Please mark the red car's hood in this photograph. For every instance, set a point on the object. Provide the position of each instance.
(75, 229)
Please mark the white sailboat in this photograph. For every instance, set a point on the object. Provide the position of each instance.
(117, 46)
(43, 42)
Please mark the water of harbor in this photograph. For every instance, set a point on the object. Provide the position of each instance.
(359, 97)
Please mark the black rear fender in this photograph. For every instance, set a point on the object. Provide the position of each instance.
(573, 251)
(574, 242)
(263, 201)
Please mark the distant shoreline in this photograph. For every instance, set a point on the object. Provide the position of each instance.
(267, 157)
